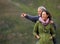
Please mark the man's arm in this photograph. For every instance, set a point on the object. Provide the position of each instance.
(54, 38)
(29, 17)
(32, 18)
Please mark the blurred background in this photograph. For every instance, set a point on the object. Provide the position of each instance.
(17, 30)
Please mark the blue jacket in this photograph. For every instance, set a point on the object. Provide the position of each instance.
(32, 18)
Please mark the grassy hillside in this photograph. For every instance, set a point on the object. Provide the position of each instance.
(17, 30)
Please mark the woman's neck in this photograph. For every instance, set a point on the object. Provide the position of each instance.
(44, 19)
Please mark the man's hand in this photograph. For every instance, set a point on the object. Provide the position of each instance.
(51, 21)
(23, 14)
(37, 36)
(51, 38)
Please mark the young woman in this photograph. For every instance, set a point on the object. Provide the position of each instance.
(44, 28)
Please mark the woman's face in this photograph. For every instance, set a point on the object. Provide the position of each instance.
(44, 15)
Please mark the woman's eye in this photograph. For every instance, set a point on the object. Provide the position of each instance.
(43, 14)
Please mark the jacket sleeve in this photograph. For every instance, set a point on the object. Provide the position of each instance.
(53, 31)
(35, 29)
(54, 26)
(32, 18)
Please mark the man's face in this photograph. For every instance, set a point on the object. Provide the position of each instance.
(39, 12)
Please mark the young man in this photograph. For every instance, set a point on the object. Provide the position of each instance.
(35, 18)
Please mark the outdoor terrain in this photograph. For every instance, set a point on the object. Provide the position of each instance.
(17, 30)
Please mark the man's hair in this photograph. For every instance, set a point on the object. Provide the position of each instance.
(42, 8)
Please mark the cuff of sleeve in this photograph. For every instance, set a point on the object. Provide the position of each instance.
(26, 16)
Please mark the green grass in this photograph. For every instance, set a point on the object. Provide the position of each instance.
(17, 30)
